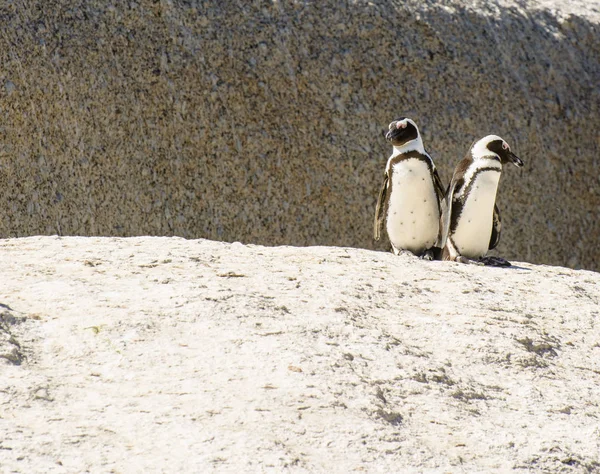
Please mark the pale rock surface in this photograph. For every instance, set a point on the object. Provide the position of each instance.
(261, 122)
(173, 355)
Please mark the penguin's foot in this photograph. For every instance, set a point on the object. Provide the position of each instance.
(494, 262)
(434, 253)
(396, 251)
(427, 255)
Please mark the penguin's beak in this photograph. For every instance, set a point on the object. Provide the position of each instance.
(515, 159)
(394, 133)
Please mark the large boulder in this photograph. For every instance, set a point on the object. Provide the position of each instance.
(260, 121)
(173, 355)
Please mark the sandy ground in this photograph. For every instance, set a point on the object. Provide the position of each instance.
(173, 355)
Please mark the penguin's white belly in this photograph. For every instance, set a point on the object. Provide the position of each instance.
(474, 229)
(412, 221)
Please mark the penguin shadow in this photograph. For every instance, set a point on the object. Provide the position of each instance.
(489, 261)
(498, 262)
(508, 267)
(517, 267)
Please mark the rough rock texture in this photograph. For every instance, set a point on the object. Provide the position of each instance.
(168, 355)
(10, 349)
(260, 121)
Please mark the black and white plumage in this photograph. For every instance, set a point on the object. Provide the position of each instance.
(470, 218)
(410, 198)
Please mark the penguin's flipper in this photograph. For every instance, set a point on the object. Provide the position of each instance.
(379, 209)
(440, 193)
(446, 216)
(496, 228)
(439, 187)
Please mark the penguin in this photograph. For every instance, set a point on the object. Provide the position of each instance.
(411, 194)
(471, 222)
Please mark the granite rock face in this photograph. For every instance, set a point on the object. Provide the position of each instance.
(261, 121)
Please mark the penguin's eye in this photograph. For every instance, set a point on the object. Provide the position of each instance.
(401, 125)
(505, 145)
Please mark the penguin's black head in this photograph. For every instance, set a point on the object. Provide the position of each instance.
(498, 147)
(402, 131)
